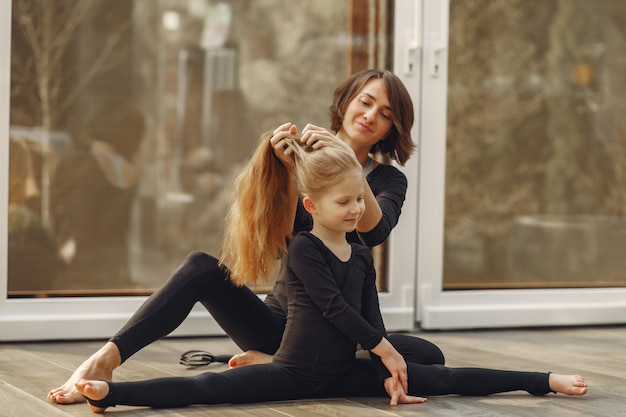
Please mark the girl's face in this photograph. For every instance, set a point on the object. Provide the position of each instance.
(341, 206)
(368, 116)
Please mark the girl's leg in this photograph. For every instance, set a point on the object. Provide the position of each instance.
(426, 380)
(242, 385)
(417, 350)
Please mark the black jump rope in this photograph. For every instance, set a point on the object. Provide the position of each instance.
(195, 358)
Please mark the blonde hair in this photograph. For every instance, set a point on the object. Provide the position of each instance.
(256, 234)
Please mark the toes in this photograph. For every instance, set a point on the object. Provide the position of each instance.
(68, 398)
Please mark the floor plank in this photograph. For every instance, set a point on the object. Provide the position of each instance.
(29, 370)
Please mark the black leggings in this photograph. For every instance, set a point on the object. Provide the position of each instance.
(271, 382)
(246, 319)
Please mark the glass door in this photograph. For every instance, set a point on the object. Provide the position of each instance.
(125, 124)
(522, 217)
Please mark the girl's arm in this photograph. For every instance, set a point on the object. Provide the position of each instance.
(307, 260)
(389, 364)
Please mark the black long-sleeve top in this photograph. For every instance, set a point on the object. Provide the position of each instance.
(332, 306)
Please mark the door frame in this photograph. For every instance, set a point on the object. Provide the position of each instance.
(459, 309)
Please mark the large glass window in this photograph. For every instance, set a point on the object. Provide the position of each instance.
(536, 145)
(130, 118)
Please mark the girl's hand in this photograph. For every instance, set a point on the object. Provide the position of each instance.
(280, 143)
(398, 396)
(395, 364)
(317, 137)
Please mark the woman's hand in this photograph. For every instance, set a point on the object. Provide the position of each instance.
(317, 137)
(280, 142)
(398, 396)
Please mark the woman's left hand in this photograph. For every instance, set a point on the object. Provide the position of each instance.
(317, 137)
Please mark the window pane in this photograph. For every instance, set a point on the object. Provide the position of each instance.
(130, 119)
(535, 181)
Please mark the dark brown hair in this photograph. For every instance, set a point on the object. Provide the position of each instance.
(398, 144)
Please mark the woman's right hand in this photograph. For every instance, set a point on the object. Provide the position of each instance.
(280, 143)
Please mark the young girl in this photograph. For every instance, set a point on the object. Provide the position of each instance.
(332, 304)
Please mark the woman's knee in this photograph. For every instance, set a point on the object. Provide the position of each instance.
(198, 267)
(201, 258)
(203, 264)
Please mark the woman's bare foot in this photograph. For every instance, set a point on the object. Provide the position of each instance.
(100, 365)
(568, 384)
(94, 390)
(249, 357)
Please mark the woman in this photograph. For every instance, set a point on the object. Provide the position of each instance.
(371, 112)
(332, 306)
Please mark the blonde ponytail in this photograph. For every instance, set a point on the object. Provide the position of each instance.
(254, 241)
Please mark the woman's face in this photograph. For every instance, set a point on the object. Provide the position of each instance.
(368, 117)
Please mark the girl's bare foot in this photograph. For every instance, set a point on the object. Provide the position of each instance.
(249, 357)
(94, 390)
(568, 384)
(100, 365)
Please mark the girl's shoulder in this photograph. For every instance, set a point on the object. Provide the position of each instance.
(307, 241)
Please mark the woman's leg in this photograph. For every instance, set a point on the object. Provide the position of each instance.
(238, 310)
(244, 317)
(248, 384)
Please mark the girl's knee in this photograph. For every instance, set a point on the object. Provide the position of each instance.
(418, 350)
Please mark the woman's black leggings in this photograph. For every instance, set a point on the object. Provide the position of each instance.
(271, 382)
(246, 319)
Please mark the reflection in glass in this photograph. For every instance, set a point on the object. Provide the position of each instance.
(130, 119)
(535, 180)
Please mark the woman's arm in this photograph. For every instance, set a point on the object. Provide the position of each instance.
(283, 152)
(388, 184)
(373, 213)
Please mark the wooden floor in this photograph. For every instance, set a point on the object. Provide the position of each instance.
(29, 370)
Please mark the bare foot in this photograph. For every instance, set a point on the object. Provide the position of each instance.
(94, 390)
(100, 365)
(568, 384)
(249, 357)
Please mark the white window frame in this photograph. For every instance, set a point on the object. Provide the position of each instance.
(100, 317)
(438, 309)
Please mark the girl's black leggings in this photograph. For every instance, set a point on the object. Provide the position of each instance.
(245, 318)
(271, 382)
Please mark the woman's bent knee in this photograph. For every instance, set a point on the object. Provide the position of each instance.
(203, 262)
